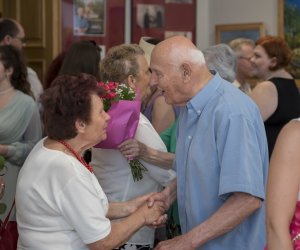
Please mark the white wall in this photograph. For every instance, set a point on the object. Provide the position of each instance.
(212, 12)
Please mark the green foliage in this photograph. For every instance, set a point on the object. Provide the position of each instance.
(292, 35)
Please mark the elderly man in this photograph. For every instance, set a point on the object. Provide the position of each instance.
(221, 155)
(244, 49)
(12, 33)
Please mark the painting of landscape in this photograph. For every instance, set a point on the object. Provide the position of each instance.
(291, 31)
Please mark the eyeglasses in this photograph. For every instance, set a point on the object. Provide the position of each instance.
(246, 58)
(21, 39)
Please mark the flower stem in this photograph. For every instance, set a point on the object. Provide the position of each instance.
(137, 169)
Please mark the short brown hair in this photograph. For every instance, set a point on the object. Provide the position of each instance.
(276, 46)
(9, 27)
(68, 99)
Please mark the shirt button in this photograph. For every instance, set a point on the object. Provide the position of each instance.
(190, 137)
(198, 111)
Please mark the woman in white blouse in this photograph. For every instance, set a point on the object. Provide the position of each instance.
(127, 64)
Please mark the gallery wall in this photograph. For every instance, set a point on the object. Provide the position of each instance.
(212, 12)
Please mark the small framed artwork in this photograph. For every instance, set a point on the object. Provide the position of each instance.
(160, 19)
(93, 20)
(227, 32)
(289, 29)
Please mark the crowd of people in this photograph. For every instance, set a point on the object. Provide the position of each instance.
(220, 155)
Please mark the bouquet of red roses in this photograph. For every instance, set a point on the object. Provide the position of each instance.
(120, 102)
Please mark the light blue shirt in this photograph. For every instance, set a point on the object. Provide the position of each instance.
(221, 149)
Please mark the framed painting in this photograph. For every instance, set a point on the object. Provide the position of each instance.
(102, 21)
(163, 18)
(289, 29)
(224, 33)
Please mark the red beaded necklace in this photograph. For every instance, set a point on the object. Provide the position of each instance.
(79, 158)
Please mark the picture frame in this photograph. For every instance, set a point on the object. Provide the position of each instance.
(160, 19)
(224, 33)
(103, 16)
(289, 29)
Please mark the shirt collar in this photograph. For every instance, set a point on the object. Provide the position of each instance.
(199, 101)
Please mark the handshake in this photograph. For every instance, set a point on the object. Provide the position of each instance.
(154, 210)
(151, 208)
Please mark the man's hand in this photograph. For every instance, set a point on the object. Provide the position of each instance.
(167, 196)
(181, 242)
(162, 197)
(151, 214)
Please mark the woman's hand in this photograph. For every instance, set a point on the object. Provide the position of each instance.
(152, 214)
(134, 204)
(3, 150)
(132, 149)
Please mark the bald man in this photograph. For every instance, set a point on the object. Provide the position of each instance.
(221, 155)
(12, 33)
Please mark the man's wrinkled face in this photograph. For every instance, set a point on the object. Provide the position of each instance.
(245, 66)
(168, 79)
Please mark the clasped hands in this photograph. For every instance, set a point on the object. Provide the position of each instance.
(151, 207)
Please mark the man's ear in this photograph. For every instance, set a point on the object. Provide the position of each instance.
(6, 40)
(80, 126)
(186, 71)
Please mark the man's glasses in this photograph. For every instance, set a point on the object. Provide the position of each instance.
(245, 58)
(21, 39)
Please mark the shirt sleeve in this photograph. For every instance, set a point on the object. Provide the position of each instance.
(18, 151)
(148, 135)
(240, 158)
(84, 206)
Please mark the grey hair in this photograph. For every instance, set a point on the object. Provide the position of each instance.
(222, 59)
(193, 55)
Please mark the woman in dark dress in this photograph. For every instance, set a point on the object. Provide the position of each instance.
(277, 96)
